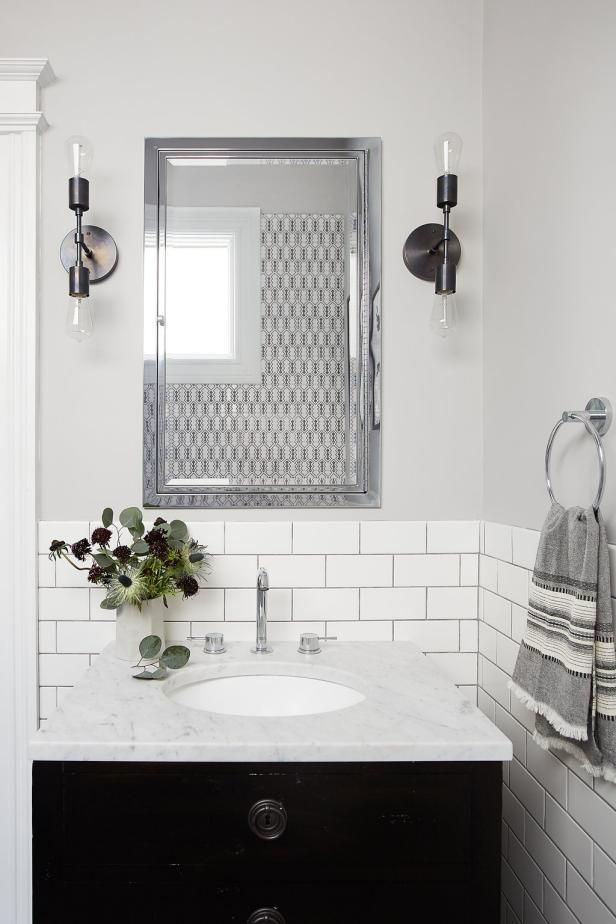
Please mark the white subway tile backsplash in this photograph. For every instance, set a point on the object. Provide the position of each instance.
(554, 908)
(210, 534)
(506, 653)
(359, 570)
(469, 570)
(468, 635)
(47, 637)
(326, 603)
(461, 668)
(294, 570)
(487, 641)
(514, 731)
(234, 571)
(84, 637)
(605, 878)
(584, 902)
(60, 670)
(70, 531)
(290, 631)
(513, 890)
(518, 621)
(257, 538)
(47, 701)
(525, 542)
(452, 603)
(498, 542)
(528, 790)
(548, 770)
(395, 536)
(497, 612)
(46, 572)
(58, 603)
(208, 604)
(569, 837)
(495, 683)
(453, 536)
(71, 576)
(364, 631)
(513, 813)
(525, 869)
(593, 814)
(513, 583)
(488, 568)
(392, 603)
(546, 854)
(426, 570)
(429, 636)
(239, 604)
(317, 538)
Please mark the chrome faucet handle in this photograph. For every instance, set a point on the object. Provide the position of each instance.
(214, 642)
(262, 579)
(309, 642)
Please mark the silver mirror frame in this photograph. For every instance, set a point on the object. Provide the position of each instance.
(367, 491)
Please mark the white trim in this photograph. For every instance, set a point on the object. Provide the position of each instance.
(38, 70)
(19, 219)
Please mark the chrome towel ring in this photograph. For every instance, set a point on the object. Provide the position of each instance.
(597, 418)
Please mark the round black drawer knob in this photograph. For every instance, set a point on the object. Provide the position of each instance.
(266, 916)
(268, 820)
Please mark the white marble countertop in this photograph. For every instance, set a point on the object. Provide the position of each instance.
(411, 712)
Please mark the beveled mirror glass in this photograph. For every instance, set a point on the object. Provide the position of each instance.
(262, 322)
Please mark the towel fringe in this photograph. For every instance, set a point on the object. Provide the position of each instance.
(573, 749)
(577, 732)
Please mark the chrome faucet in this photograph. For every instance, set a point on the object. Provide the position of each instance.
(261, 646)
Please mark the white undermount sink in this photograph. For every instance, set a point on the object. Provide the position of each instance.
(265, 695)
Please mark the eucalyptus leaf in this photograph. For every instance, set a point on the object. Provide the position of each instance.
(176, 543)
(103, 560)
(175, 656)
(137, 531)
(107, 517)
(140, 547)
(106, 604)
(195, 557)
(159, 674)
(131, 516)
(150, 646)
(178, 530)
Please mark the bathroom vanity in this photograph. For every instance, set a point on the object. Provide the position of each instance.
(384, 810)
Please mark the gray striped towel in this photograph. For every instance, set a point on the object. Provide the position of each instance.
(566, 667)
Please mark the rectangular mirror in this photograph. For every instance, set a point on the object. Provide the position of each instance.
(262, 322)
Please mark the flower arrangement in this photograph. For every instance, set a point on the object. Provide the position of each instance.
(162, 562)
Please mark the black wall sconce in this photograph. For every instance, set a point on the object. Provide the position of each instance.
(89, 253)
(432, 252)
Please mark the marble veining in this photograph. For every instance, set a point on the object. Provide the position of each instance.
(411, 712)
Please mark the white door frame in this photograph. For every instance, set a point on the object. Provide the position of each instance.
(20, 124)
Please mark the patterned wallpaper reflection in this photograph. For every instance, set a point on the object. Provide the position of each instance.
(293, 427)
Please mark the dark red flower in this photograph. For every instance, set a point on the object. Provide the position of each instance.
(80, 549)
(122, 553)
(101, 536)
(157, 542)
(95, 574)
(188, 585)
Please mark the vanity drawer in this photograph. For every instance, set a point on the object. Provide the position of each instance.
(170, 823)
(294, 903)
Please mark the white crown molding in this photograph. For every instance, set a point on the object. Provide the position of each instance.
(22, 121)
(37, 69)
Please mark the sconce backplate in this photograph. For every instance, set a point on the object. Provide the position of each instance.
(104, 252)
(423, 251)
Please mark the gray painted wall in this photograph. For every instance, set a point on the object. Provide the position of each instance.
(353, 67)
(550, 248)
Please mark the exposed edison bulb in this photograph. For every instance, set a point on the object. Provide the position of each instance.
(79, 320)
(444, 313)
(447, 151)
(80, 155)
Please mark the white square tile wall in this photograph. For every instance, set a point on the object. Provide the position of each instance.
(376, 580)
(559, 843)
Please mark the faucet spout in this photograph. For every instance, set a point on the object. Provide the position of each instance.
(261, 646)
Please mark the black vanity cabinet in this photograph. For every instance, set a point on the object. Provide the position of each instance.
(266, 843)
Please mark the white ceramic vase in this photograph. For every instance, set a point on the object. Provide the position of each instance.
(133, 624)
